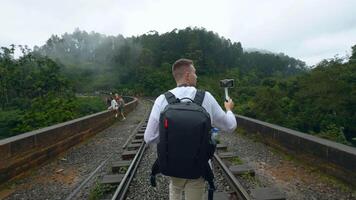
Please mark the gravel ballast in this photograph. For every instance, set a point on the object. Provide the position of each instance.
(296, 180)
(59, 177)
(273, 169)
(140, 186)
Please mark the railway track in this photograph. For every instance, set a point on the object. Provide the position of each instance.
(121, 190)
(128, 179)
(123, 172)
(238, 190)
(77, 193)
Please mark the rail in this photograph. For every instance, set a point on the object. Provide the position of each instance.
(236, 185)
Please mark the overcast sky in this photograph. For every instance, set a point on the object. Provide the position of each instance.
(310, 30)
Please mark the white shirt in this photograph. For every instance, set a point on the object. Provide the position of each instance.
(114, 105)
(225, 121)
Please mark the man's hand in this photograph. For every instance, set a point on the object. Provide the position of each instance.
(229, 105)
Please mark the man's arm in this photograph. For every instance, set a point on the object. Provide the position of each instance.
(225, 121)
(152, 130)
(112, 105)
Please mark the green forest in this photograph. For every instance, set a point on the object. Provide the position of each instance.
(39, 88)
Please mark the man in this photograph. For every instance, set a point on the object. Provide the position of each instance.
(121, 103)
(184, 74)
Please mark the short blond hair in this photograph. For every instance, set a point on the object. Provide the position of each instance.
(179, 67)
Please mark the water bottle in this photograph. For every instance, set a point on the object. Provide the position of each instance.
(214, 135)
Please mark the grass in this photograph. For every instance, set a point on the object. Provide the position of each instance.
(123, 170)
(241, 131)
(253, 180)
(334, 181)
(253, 136)
(236, 161)
(100, 190)
(217, 139)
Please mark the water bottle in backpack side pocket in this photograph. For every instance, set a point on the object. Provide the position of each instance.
(214, 135)
(214, 140)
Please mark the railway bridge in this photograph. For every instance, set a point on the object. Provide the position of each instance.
(101, 157)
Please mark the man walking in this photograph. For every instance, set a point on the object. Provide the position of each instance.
(185, 76)
(121, 104)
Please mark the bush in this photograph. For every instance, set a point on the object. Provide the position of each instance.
(8, 120)
(89, 105)
(46, 111)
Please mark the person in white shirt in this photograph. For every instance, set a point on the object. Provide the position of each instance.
(114, 106)
(184, 74)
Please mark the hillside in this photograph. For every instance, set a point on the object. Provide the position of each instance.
(271, 87)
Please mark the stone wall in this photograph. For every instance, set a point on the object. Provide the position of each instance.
(23, 152)
(333, 158)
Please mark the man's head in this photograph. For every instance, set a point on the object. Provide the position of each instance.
(183, 72)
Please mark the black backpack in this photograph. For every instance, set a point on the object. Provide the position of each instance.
(185, 145)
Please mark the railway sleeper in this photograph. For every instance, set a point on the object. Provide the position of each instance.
(221, 147)
(134, 146)
(221, 196)
(128, 155)
(226, 155)
(243, 169)
(136, 141)
(268, 193)
(120, 167)
(139, 136)
(112, 179)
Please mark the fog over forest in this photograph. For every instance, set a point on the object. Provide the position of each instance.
(272, 87)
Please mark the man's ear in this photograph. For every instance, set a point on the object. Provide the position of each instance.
(186, 75)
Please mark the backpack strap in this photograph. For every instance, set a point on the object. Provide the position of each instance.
(171, 99)
(199, 97)
(154, 170)
(208, 175)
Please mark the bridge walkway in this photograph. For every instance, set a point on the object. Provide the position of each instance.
(297, 179)
(60, 176)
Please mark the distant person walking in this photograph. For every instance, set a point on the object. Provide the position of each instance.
(114, 106)
(121, 104)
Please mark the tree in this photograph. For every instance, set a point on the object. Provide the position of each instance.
(353, 54)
